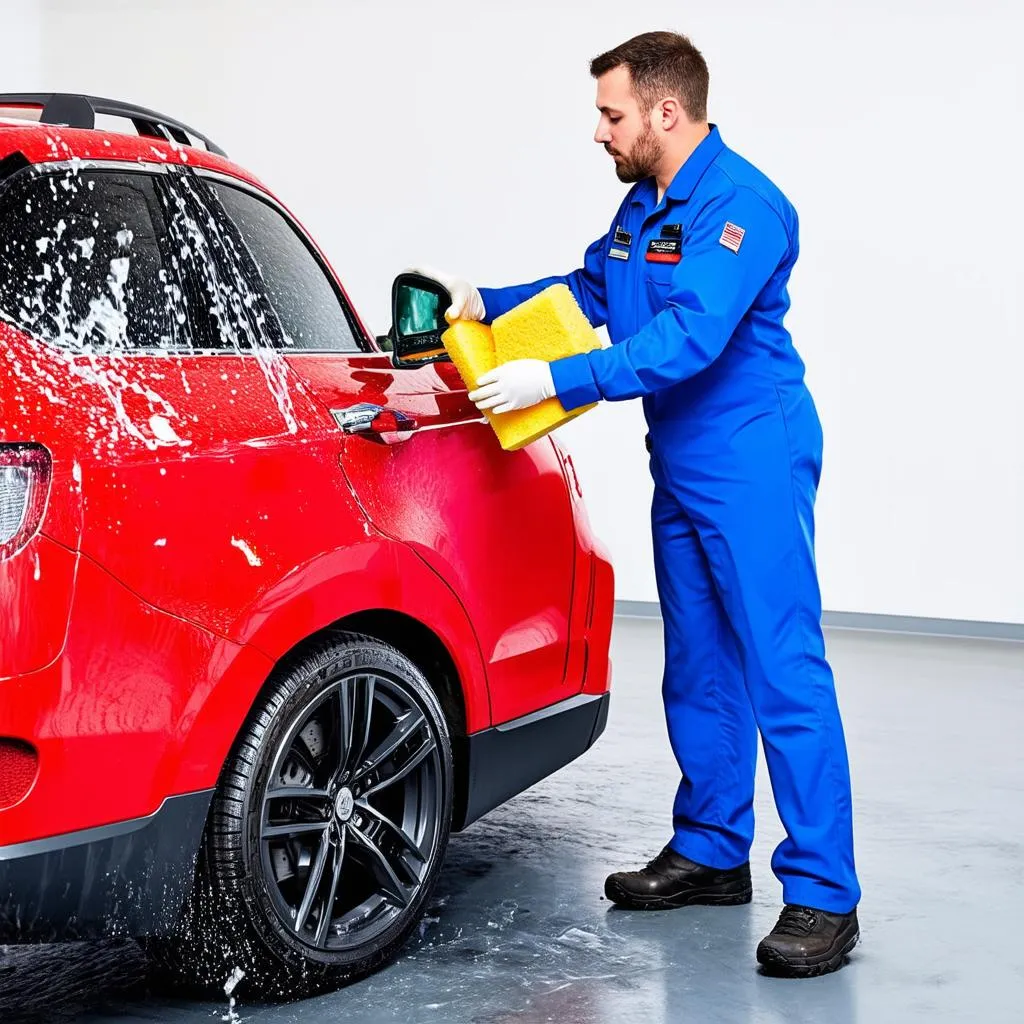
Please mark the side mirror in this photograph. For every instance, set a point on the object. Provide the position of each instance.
(417, 321)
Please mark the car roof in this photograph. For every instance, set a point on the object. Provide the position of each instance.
(43, 143)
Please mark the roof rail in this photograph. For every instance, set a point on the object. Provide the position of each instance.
(77, 111)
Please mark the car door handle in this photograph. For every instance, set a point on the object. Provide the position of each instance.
(375, 422)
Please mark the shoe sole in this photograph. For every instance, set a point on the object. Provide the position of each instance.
(777, 965)
(689, 898)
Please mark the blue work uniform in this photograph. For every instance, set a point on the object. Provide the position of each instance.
(693, 290)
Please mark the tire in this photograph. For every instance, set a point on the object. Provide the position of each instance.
(252, 906)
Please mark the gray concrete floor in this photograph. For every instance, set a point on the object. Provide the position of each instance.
(519, 930)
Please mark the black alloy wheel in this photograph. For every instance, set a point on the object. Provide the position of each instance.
(327, 830)
(351, 811)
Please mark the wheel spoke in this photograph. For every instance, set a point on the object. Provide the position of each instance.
(346, 719)
(404, 728)
(414, 760)
(295, 793)
(294, 828)
(396, 830)
(332, 891)
(382, 868)
(316, 873)
(357, 916)
(356, 709)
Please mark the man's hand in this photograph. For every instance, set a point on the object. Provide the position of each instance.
(515, 385)
(466, 301)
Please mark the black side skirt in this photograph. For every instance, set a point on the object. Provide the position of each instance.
(503, 761)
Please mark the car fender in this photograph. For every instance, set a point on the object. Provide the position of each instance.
(377, 574)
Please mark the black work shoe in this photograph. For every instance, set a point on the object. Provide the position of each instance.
(808, 942)
(671, 880)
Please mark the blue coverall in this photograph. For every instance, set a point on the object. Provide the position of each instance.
(693, 290)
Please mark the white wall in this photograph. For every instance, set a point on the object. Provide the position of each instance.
(459, 133)
(20, 63)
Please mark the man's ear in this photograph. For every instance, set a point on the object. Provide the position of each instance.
(667, 113)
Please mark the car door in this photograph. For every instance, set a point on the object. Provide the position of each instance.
(496, 526)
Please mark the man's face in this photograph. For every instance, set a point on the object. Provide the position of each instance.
(624, 129)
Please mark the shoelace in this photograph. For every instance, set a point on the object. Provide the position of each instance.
(798, 921)
(656, 862)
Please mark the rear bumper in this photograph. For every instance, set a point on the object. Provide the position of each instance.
(509, 758)
(130, 878)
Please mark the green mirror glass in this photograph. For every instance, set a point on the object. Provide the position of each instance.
(417, 310)
(417, 316)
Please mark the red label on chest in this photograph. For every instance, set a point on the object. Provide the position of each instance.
(664, 250)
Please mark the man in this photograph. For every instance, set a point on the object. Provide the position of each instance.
(691, 280)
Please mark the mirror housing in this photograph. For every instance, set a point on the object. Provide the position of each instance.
(417, 321)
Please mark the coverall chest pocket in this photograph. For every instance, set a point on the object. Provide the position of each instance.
(658, 279)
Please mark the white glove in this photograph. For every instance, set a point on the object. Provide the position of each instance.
(466, 301)
(515, 385)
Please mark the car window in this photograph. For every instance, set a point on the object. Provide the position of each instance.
(82, 261)
(307, 304)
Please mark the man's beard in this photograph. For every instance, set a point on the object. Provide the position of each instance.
(642, 160)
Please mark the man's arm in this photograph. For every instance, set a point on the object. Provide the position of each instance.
(586, 284)
(710, 291)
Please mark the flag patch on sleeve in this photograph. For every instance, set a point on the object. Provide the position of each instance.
(732, 236)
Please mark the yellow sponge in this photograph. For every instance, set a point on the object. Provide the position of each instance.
(549, 326)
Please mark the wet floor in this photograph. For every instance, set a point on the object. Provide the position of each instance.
(519, 930)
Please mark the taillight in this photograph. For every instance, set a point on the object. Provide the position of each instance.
(24, 485)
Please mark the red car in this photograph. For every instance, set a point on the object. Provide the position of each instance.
(277, 612)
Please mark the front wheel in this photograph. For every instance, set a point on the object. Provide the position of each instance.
(328, 827)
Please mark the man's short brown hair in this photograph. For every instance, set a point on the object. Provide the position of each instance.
(661, 64)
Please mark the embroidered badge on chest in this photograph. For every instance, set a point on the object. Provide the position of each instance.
(732, 236)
